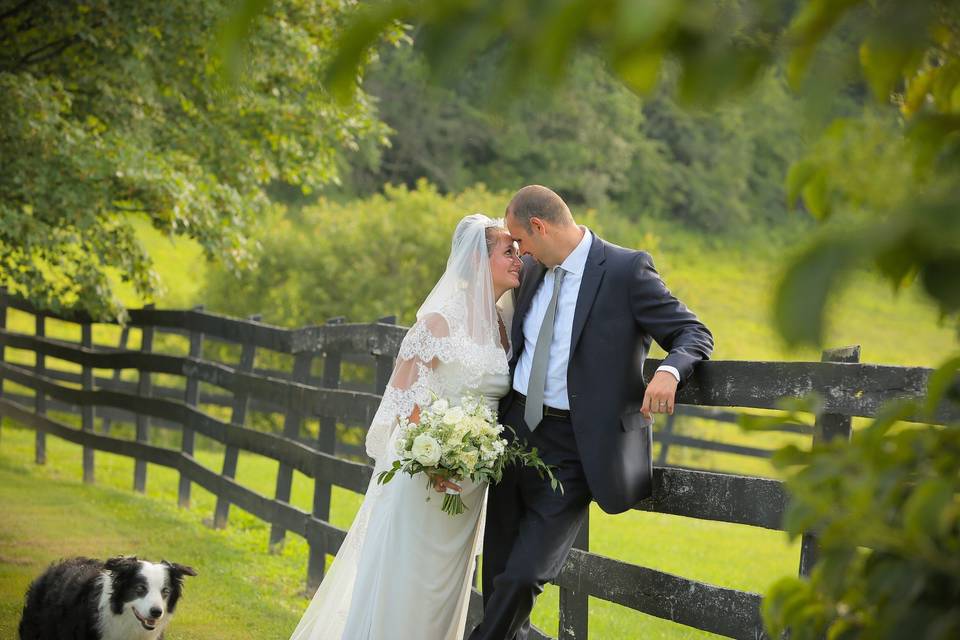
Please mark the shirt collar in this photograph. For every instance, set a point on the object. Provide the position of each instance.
(577, 259)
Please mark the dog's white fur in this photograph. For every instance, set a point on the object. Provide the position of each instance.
(127, 626)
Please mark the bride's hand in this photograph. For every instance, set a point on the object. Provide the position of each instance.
(441, 484)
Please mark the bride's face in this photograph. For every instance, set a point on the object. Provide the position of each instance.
(505, 263)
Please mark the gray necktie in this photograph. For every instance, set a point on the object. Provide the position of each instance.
(533, 412)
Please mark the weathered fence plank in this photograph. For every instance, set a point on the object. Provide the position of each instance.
(728, 612)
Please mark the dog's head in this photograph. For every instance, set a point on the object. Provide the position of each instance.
(146, 590)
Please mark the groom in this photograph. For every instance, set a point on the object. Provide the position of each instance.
(585, 314)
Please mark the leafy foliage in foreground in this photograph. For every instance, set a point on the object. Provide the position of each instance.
(886, 508)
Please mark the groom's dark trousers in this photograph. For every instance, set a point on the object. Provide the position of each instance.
(530, 528)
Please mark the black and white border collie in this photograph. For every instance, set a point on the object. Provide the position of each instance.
(85, 599)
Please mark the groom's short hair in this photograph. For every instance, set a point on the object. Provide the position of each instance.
(538, 201)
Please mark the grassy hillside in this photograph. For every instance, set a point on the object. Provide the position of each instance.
(244, 592)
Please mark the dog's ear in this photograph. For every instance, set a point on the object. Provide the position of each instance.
(180, 570)
(119, 562)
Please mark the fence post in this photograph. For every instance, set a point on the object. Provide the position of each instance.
(143, 421)
(40, 398)
(326, 442)
(237, 418)
(86, 410)
(828, 427)
(574, 606)
(385, 362)
(291, 429)
(122, 344)
(191, 397)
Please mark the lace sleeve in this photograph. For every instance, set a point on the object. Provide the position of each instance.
(426, 344)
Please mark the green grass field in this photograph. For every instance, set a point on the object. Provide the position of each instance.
(244, 592)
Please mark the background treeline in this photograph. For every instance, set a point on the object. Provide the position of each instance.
(592, 139)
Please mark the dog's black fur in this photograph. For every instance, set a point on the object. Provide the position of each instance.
(63, 603)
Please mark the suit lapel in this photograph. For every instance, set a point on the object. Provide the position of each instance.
(589, 284)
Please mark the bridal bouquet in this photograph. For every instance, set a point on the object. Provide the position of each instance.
(455, 442)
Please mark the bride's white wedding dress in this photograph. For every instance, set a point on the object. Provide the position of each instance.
(403, 571)
(414, 577)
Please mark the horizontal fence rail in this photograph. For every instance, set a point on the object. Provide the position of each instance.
(847, 388)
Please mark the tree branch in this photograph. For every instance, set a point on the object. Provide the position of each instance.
(60, 46)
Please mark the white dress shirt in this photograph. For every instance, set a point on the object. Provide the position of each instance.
(555, 390)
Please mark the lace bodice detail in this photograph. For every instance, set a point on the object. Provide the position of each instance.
(492, 386)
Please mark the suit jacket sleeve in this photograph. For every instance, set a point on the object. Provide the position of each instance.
(676, 329)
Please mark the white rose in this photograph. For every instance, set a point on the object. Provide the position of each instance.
(426, 450)
(453, 415)
(440, 406)
(469, 458)
(477, 426)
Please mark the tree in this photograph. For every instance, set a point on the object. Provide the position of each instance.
(111, 109)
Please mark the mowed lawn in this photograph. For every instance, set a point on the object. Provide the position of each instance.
(244, 592)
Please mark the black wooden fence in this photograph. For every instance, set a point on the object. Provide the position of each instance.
(848, 389)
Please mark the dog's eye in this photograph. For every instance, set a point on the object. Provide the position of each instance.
(141, 590)
(165, 593)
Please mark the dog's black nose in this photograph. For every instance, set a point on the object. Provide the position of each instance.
(156, 612)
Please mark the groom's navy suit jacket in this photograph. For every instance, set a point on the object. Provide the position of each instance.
(622, 305)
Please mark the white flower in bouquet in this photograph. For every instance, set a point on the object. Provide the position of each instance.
(453, 416)
(426, 450)
(469, 458)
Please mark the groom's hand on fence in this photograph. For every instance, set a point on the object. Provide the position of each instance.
(660, 394)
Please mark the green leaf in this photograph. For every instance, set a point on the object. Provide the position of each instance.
(940, 278)
(925, 510)
(801, 295)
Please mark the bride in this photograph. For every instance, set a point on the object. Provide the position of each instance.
(404, 569)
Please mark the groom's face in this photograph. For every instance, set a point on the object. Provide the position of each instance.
(528, 241)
